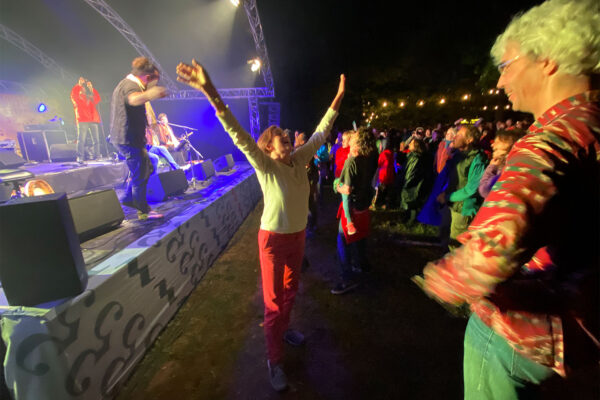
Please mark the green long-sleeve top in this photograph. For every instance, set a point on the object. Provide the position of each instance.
(285, 187)
(464, 182)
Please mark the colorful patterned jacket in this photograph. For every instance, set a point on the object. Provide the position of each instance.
(538, 225)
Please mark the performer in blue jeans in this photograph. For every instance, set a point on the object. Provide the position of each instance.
(128, 129)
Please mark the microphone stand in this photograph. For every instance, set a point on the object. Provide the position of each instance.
(191, 148)
(183, 126)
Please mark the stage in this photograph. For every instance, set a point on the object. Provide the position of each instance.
(139, 276)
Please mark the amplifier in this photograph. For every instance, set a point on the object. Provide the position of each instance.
(35, 145)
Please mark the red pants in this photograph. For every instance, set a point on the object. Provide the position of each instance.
(280, 261)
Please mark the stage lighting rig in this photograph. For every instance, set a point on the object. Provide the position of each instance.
(255, 64)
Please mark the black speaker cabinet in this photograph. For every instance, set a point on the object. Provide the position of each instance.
(165, 184)
(224, 163)
(41, 259)
(9, 160)
(63, 152)
(201, 170)
(96, 213)
(35, 145)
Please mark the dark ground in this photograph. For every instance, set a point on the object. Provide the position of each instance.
(386, 340)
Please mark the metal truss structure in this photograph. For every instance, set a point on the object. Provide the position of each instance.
(124, 29)
(259, 42)
(254, 115)
(239, 93)
(11, 36)
(252, 94)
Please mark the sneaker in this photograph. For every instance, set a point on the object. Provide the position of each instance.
(351, 228)
(149, 215)
(277, 377)
(293, 337)
(344, 287)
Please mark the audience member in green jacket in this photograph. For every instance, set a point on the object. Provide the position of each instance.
(465, 171)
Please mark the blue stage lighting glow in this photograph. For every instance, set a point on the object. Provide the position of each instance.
(42, 108)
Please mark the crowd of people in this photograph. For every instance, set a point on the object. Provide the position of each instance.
(438, 176)
(506, 201)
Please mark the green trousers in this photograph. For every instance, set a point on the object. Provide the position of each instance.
(494, 370)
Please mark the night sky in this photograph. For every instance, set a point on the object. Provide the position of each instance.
(382, 46)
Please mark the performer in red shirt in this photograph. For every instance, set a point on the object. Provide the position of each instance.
(85, 98)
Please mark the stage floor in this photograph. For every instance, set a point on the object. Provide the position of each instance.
(138, 276)
(73, 178)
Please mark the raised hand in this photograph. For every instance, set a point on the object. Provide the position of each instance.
(195, 76)
(342, 85)
(337, 101)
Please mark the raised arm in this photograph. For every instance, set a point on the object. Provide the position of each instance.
(304, 153)
(196, 76)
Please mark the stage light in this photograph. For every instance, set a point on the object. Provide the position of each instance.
(497, 91)
(496, 107)
(484, 108)
(507, 107)
(235, 2)
(491, 91)
(442, 101)
(42, 108)
(255, 64)
(421, 103)
(466, 97)
(385, 103)
(401, 104)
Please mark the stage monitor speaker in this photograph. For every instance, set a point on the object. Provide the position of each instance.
(41, 259)
(9, 159)
(165, 184)
(200, 170)
(63, 152)
(35, 145)
(96, 213)
(224, 163)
